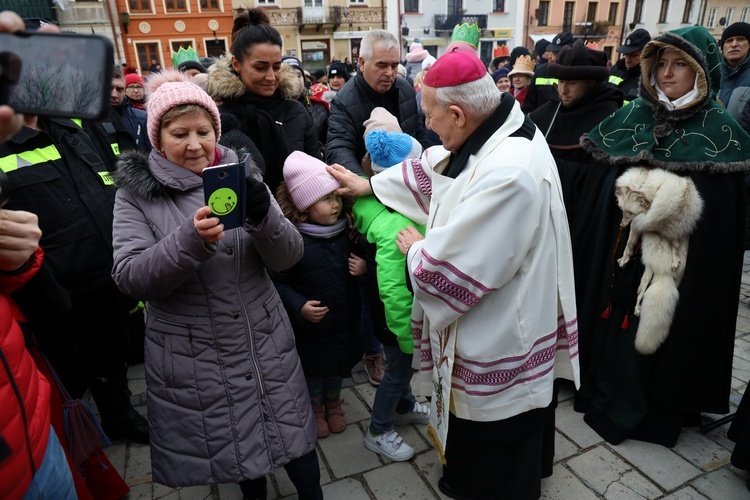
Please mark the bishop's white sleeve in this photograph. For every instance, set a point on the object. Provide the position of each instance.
(479, 248)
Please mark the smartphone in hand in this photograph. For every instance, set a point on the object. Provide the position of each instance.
(224, 190)
(56, 74)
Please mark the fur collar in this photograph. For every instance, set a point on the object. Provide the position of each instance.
(224, 83)
(136, 173)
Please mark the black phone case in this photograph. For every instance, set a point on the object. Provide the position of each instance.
(224, 191)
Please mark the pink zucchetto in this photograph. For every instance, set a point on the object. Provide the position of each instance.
(455, 68)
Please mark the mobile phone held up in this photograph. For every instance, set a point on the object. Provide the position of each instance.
(56, 74)
(224, 190)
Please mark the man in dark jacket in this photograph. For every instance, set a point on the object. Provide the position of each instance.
(374, 86)
(585, 100)
(542, 86)
(133, 119)
(626, 73)
(734, 90)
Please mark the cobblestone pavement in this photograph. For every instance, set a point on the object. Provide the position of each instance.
(585, 466)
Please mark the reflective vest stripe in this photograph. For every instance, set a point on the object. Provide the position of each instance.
(545, 81)
(28, 158)
(78, 122)
(615, 79)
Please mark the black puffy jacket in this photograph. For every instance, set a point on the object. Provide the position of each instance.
(352, 106)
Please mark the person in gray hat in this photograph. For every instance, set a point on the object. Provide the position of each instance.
(626, 72)
(542, 87)
(734, 89)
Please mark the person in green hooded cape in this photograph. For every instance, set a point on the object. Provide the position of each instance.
(681, 129)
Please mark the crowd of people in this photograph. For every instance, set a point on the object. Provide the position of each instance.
(475, 234)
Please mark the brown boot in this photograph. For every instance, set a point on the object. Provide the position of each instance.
(320, 421)
(335, 416)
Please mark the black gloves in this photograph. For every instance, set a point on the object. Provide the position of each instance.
(257, 200)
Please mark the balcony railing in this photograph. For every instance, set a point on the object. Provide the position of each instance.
(445, 22)
(284, 17)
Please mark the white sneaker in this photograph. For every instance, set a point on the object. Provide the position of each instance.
(390, 445)
(420, 414)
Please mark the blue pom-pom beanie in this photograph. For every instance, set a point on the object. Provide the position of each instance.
(388, 148)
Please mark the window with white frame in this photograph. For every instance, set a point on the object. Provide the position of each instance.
(744, 14)
(411, 5)
(711, 23)
(730, 14)
(357, 2)
(498, 6)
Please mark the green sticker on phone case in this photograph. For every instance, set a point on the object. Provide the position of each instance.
(222, 201)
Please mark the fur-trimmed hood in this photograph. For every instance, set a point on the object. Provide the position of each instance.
(649, 62)
(153, 177)
(698, 138)
(225, 83)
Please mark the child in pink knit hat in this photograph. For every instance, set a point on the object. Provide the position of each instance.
(320, 292)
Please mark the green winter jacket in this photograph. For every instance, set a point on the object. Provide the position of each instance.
(381, 226)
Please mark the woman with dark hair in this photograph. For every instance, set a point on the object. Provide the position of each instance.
(248, 84)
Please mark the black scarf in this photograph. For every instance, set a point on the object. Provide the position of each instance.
(267, 133)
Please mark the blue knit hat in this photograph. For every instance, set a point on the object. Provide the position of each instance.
(390, 148)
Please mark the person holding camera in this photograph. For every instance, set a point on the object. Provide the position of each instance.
(220, 353)
(32, 460)
(79, 316)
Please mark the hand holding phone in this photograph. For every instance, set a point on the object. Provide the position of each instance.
(224, 191)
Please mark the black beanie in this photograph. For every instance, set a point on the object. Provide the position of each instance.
(338, 69)
(186, 65)
(736, 29)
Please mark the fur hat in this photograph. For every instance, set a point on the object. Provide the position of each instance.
(390, 148)
(415, 46)
(170, 89)
(523, 66)
(578, 62)
(735, 29)
(381, 119)
(561, 40)
(338, 69)
(132, 78)
(307, 179)
(455, 68)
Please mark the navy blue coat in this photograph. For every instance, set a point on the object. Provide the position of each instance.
(332, 346)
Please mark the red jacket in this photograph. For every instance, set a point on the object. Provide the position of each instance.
(25, 429)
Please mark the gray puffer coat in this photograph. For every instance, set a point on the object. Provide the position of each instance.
(227, 398)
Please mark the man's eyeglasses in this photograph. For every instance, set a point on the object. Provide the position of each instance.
(135, 87)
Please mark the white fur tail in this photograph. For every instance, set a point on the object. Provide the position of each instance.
(657, 310)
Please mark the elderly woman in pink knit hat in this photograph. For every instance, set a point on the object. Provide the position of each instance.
(227, 399)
